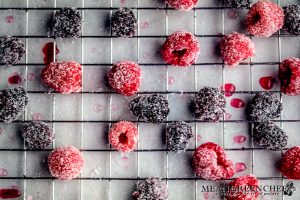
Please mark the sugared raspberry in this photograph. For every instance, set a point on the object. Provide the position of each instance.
(209, 104)
(210, 162)
(267, 134)
(236, 47)
(292, 19)
(123, 136)
(289, 165)
(179, 134)
(64, 77)
(264, 18)
(183, 5)
(181, 49)
(123, 23)
(12, 50)
(264, 106)
(153, 108)
(125, 77)
(67, 23)
(289, 76)
(151, 189)
(65, 163)
(243, 188)
(12, 103)
(37, 135)
(237, 3)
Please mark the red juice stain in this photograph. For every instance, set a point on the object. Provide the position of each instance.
(14, 79)
(3, 172)
(228, 88)
(232, 14)
(9, 19)
(206, 195)
(171, 80)
(48, 52)
(239, 139)
(37, 116)
(98, 108)
(237, 103)
(240, 167)
(227, 116)
(266, 82)
(9, 193)
(144, 25)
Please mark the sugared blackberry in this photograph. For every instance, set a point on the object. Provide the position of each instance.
(209, 104)
(267, 134)
(153, 108)
(179, 134)
(123, 23)
(11, 50)
(151, 189)
(12, 103)
(237, 3)
(264, 106)
(292, 19)
(37, 135)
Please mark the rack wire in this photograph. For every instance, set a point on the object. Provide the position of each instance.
(110, 178)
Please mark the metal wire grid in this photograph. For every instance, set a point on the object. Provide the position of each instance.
(167, 92)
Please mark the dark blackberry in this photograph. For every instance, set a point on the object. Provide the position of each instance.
(12, 103)
(123, 23)
(264, 106)
(292, 19)
(11, 50)
(67, 23)
(151, 189)
(267, 134)
(209, 104)
(179, 134)
(37, 135)
(153, 108)
(237, 3)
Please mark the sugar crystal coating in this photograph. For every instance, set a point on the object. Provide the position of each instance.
(125, 77)
(264, 18)
(209, 104)
(289, 165)
(123, 136)
(153, 108)
(67, 23)
(151, 189)
(210, 162)
(37, 135)
(12, 103)
(12, 50)
(123, 23)
(267, 134)
(179, 134)
(292, 19)
(264, 106)
(64, 77)
(65, 163)
(236, 47)
(243, 188)
(181, 49)
(237, 3)
(289, 76)
(184, 5)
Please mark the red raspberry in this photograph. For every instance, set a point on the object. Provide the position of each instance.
(123, 136)
(236, 47)
(264, 18)
(243, 188)
(181, 49)
(65, 163)
(210, 162)
(289, 165)
(64, 77)
(184, 5)
(289, 76)
(125, 77)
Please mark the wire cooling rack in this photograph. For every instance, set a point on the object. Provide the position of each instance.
(83, 119)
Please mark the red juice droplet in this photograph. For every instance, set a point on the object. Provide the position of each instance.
(14, 79)
(206, 195)
(3, 172)
(37, 116)
(228, 88)
(233, 14)
(266, 82)
(9, 19)
(144, 25)
(48, 51)
(227, 116)
(9, 193)
(239, 139)
(237, 103)
(171, 80)
(240, 167)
